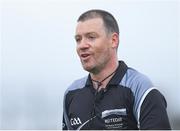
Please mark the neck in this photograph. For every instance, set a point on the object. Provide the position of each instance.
(105, 72)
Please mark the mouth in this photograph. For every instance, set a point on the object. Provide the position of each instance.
(84, 56)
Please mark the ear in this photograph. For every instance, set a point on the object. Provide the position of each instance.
(115, 40)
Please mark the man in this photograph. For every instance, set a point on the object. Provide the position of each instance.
(113, 96)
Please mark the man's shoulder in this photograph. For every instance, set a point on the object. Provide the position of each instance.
(140, 85)
(77, 84)
(136, 80)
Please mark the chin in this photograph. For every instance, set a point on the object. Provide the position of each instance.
(87, 67)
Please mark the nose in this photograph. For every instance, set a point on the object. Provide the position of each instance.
(83, 44)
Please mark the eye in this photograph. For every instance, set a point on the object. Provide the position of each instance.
(78, 39)
(91, 37)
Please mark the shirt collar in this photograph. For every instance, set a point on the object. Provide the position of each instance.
(116, 79)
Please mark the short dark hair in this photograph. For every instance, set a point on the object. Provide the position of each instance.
(109, 21)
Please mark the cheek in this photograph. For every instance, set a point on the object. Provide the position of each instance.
(103, 53)
(101, 50)
(103, 46)
(77, 50)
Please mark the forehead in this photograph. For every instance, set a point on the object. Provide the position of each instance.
(90, 25)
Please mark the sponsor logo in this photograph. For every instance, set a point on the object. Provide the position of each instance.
(120, 112)
(113, 120)
(114, 123)
(75, 121)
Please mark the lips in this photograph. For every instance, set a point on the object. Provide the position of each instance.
(84, 56)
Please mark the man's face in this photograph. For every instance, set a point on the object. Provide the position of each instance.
(93, 44)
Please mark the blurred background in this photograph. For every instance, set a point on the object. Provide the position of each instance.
(38, 59)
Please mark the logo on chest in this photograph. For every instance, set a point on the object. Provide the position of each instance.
(75, 121)
(115, 118)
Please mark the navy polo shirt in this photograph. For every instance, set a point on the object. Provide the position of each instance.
(129, 101)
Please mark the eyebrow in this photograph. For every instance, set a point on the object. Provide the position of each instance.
(88, 33)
